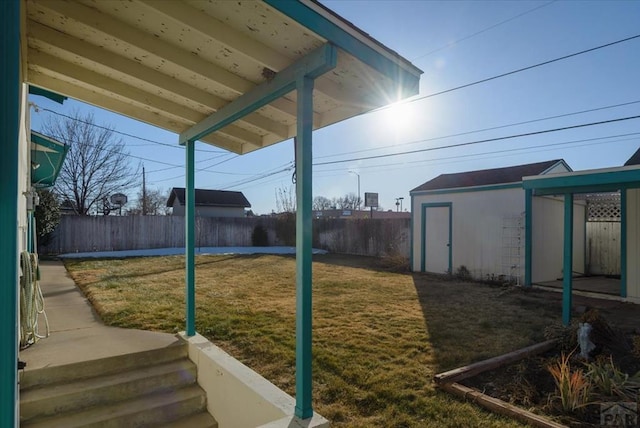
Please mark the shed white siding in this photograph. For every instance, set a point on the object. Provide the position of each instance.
(477, 227)
(548, 238)
(482, 242)
(633, 244)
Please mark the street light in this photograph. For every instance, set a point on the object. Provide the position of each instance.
(399, 203)
(353, 172)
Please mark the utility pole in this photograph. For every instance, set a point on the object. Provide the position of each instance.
(144, 192)
(353, 172)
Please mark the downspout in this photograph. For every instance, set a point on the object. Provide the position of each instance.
(528, 236)
(9, 139)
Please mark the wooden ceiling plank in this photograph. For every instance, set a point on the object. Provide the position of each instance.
(147, 42)
(112, 104)
(136, 95)
(67, 43)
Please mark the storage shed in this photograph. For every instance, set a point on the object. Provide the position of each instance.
(475, 223)
(210, 203)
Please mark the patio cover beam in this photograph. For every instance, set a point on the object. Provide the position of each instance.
(312, 65)
(9, 140)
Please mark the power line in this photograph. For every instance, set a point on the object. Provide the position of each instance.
(175, 146)
(481, 130)
(469, 143)
(477, 82)
(455, 42)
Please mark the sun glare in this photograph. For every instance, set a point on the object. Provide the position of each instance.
(399, 118)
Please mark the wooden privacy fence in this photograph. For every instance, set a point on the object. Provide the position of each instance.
(371, 237)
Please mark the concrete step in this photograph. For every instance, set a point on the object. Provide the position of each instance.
(148, 411)
(200, 420)
(55, 399)
(103, 366)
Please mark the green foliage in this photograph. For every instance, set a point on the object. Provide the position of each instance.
(259, 237)
(47, 215)
(572, 386)
(610, 381)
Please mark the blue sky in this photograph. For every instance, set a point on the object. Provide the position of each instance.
(454, 43)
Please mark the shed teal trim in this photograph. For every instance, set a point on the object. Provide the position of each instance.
(423, 238)
(10, 106)
(34, 90)
(602, 181)
(408, 79)
(567, 269)
(517, 185)
(312, 65)
(411, 237)
(528, 236)
(623, 242)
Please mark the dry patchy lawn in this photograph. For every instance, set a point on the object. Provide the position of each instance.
(379, 336)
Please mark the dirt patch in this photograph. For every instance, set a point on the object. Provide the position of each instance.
(612, 374)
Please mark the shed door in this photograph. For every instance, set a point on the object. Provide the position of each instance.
(437, 235)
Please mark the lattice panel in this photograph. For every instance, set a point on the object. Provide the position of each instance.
(603, 210)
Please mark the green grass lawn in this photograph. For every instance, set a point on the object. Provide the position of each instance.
(379, 336)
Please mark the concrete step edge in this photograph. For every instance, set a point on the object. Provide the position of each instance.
(148, 411)
(82, 394)
(199, 420)
(100, 367)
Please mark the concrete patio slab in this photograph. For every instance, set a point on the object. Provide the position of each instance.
(76, 332)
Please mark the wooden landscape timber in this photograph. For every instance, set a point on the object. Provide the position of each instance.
(499, 406)
(471, 370)
(447, 381)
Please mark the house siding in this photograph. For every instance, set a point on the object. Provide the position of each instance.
(178, 210)
(633, 244)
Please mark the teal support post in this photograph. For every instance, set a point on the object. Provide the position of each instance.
(190, 242)
(9, 141)
(567, 270)
(304, 237)
(528, 236)
(623, 242)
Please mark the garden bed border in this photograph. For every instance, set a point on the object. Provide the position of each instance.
(447, 381)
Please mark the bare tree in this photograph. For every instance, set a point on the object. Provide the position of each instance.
(151, 202)
(286, 199)
(321, 203)
(96, 165)
(350, 201)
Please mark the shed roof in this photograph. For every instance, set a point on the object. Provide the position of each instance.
(175, 63)
(485, 177)
(210, 198)
(634, 159)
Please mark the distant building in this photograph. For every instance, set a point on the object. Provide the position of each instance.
(360, 214)
(210, 203)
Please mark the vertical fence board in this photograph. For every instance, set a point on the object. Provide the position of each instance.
(370, 237)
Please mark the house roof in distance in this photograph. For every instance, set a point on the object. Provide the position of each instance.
(634, 159)
(485, 177)
(210, 198)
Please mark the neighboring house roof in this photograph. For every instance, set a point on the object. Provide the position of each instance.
(485, 177)
(634, 159)
(210, 198)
